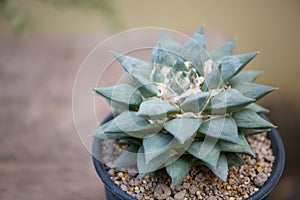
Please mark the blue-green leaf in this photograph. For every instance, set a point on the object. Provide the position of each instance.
(128, 158)
(168, 43)
(157, 144)
(166, 51)
(195, 52)
(231, 65)
(249, 119)
(207, 151)
(234, 160)
(213, 79)
(195, 102)
(225, 50)
(142, 80)
(129, 63)
(179, 169)
(245, 76)
(113, 136)
(130, 123)
(253, 90)
(124, 93)
(197, 56)
(230, 100)
(99, 132)
(223, 128)
(241, 147)
(197, 38)
(183, 128)
(140, 72)
(221, 169)
(156, 108)
(252, 131)
(257, 108)
(158, 162)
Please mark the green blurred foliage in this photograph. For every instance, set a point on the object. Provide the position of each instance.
(18, 19)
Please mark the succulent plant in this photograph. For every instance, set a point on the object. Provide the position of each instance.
(187, 107)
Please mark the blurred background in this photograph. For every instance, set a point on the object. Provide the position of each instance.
(43, 43)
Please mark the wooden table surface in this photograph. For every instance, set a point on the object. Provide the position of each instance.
(41, 155)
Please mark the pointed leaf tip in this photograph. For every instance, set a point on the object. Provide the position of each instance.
(224, 50)
(221, 170)
(231, 65)
(207, 151)
(249, 119)
(124, 94)
(241, 147)
(230, 100)
(245, 76)
(162, 143)
(179, 169)
(183, 128)
(156, 108)
(253, 90)
(128, 62)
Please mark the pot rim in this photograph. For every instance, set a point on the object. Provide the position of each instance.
(269, 185)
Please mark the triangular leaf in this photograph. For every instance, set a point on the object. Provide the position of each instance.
(195, 102)
(213, 79)
(223, 128)
(253, 90)
(231, 65)
(207, 151)
(179, 169)
(234, 160)
(163, 56)
(230, 100)
(129, 63)
(158, 162)
(197, 56)
(182, 128)
(132, 124)
(113, 136)
(197, 38)
(162, 143)
(241, 147)
(257, 108)
(124, 93)
(221, 169)
(166, 51)
(99, 132)
(194, 51)
(128, 158)
(249, 119)
(252, 131)
(167, 41)
(141, 76)
(245, 76)
(156, 108)
(225, 50)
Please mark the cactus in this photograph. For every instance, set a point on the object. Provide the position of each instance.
(187, 107)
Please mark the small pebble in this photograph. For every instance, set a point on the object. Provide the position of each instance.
(169, 198)
(260, 179)
(162, 191)
(186, 185)
(124, 187)
(180, 195)
(270, 158)
(192, 189)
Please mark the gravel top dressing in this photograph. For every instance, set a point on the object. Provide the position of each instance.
(201, 183)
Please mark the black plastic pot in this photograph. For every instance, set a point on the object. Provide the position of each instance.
(113, 192)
